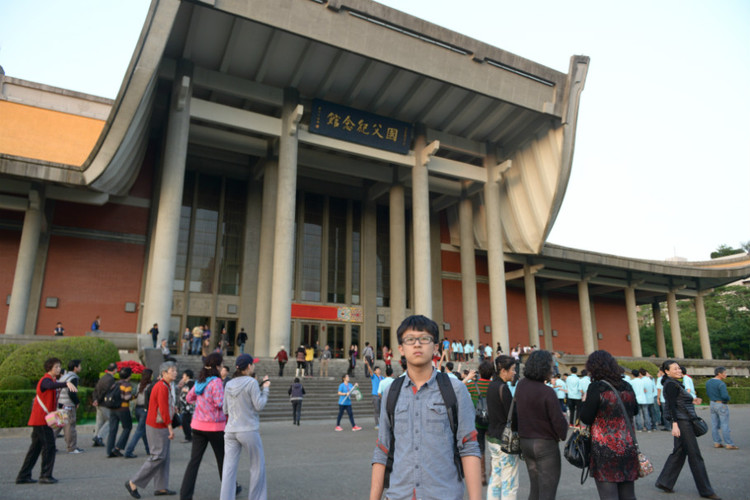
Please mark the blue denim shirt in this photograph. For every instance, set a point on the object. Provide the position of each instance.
(716, 390)
(423, 466)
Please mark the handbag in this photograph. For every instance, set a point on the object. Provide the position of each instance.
(55, 419)
(510, 441)
(577, 449)
(700, 427)
(645, 467)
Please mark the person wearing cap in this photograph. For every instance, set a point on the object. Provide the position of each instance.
(97, 398)
(244, 399)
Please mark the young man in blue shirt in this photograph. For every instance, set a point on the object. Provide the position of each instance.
(376, 377)
(423, 465)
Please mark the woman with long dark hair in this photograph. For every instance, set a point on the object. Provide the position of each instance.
(541, 426)
(614, 457)
(208, 421)
(140, 414)
(680, 412)
(504, 471)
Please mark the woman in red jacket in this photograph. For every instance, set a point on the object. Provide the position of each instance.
(42, 436)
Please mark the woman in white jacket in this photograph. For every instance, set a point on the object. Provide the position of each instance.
(243, 401)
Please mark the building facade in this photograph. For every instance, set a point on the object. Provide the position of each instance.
(312, 172)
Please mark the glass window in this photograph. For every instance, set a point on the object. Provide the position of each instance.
(232, 227)
(184, 236)
(337, 250)
(383, 251)
(203, 255)
(312, 236)
(356, 252)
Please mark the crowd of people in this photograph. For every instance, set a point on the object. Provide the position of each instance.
(463, 414)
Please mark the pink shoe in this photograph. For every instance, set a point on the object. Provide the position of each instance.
(338, 428)
(356, 428)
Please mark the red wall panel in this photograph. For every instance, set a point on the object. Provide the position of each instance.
(565, 317)
(91, 278)
(612, 322)
(111, 217)
(9, 244)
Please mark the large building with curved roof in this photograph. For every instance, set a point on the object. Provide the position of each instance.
(313, 171)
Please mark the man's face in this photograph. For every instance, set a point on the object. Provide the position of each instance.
(418, 354)
(722, 375)
(170, 375)
(377, 371)
(77, 369)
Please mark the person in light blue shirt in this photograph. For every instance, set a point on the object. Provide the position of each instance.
(375, 378)
(488, 352)
(574, 394)
(661, 402)
(561, 390)
(650, 387)
(345, 403)
(687, 381)
(385, 383)
(584, 383)
(643, 418)
(449, 370)
(459, 351)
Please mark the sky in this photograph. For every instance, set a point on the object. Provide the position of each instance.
(662, 156)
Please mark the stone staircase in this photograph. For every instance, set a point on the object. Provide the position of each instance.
(321, 400)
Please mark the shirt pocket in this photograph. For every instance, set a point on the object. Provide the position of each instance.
(437, 418)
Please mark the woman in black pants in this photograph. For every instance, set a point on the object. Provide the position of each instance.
(541, 426)
(680, 411)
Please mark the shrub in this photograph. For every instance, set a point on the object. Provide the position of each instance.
(737, 395)
(15, 406)
(637, 365)
(28, 360)
(15, 383)
(6, 350)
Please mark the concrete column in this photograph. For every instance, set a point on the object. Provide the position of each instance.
(661, 345)
(585, 307)
(158, 297)
(369, 284)
(547, 322)
(421, 213)
(674, 325)
(468, 268)
(700, 311)
(532, 317)
(635, 334)
(250, 265)
(495, 256)
(265, 260)
(25, 262)
(283, 259)
(397, 214)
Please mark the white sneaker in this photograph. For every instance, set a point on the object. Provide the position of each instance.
(76, 451)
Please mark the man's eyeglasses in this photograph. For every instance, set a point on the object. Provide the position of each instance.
(424, 339)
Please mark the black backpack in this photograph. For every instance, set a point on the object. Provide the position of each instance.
(113, 396)
(147, 394)
(451, 405)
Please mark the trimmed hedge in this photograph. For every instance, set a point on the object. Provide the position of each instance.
(28, 360)
(637, 365)
(737, 395)
(15, 383)
(15, 406)
(6, 350)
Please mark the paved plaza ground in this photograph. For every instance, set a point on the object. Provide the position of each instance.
(312, 462)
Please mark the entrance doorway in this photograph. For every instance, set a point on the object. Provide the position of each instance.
(231, 326)
(310, 334)
(335, 339)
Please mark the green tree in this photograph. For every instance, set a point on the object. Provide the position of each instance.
(724, 250)
(728, 318)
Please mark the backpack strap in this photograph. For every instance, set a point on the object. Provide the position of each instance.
(390, 408)
(451, 405)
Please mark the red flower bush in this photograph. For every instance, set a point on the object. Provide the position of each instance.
(134, 366)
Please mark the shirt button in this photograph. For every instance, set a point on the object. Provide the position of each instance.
(416, 447)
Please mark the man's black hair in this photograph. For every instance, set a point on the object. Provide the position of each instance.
(73, 364)
(418, 323)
